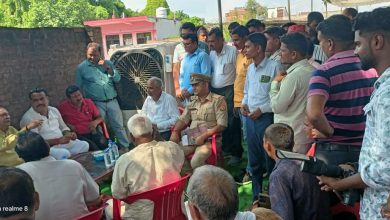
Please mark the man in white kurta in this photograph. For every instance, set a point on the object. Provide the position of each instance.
(53, 129)
(149, 165)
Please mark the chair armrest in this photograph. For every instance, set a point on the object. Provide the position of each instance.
(104, 130)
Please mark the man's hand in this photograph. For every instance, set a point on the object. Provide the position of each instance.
(179, 97)
(256, 114)
(105, 65)
(280, 76)
(175, 137)
(64, 140)
(245, 110)
(185, 93)
(199, 140)
(34, 124)
(328, 183)
(71, 135)
(317, 134)
(93, 125)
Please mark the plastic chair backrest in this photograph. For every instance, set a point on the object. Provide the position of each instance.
(94, 215)
(212, 160)
(341, 208)
(312, 151)
(104, 130)
(166, 199)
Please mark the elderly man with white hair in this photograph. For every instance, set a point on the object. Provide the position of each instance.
(149, 165)
(160, 107)
(212, 194)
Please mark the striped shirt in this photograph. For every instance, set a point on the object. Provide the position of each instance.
(347, 89)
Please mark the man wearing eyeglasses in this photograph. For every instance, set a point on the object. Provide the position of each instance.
(96, 77)
(195, 61)
(63, 143)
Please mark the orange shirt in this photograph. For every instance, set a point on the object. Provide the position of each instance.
(242, 64)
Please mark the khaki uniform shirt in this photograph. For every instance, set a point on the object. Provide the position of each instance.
(8, 156)
(212, 112)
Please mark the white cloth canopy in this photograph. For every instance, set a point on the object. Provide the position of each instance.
(351, 3)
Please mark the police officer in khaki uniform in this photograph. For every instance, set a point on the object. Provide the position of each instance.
(205, 109)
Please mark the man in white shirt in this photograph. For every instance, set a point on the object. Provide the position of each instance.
(160, 107)
(149, 165)
(65, 188)
(223, 61)
(256, 106)
(289, 90)
(63, 142)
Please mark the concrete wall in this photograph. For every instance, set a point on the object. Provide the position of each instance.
(42, 57)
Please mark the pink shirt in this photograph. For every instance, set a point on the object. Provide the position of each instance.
(79, 118)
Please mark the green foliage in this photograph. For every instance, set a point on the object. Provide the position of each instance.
(254, 9)
(152, 5)
(58, 13)
(12, 11)
(72, 13)
(195, 20)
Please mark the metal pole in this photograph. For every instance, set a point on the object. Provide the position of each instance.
(289, 11)
(220, 14)
(311, 5)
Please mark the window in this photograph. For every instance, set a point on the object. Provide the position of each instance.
(127, 39)
(142, 38)
(112, 39)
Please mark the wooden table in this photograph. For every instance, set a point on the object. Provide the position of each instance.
(97, 169)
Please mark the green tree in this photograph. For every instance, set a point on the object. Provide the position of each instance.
(12, 12)
(195, 20)
(254, 9)
(57, 13)
(152, 5)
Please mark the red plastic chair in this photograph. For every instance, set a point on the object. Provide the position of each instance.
(215, 153)
(96, 214)
(104, 130)
(166, 199)
(341, 208)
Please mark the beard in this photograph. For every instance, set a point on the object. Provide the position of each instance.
(367, 63)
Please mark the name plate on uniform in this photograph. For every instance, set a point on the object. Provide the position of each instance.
(265, 79)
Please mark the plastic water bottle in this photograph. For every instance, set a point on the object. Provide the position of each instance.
(111, 153)
(106, 155)
(115, 149)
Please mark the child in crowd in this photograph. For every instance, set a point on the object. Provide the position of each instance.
(293, 194)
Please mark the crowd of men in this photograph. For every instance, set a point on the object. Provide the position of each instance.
(321, 86)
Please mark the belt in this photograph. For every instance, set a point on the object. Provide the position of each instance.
(337, 147)
(107, 100)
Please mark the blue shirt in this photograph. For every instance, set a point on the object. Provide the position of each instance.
(95, 82)
(294, 195)
(197, 62)
(258, 83)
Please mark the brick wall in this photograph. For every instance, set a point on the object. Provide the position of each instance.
(42, 57)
